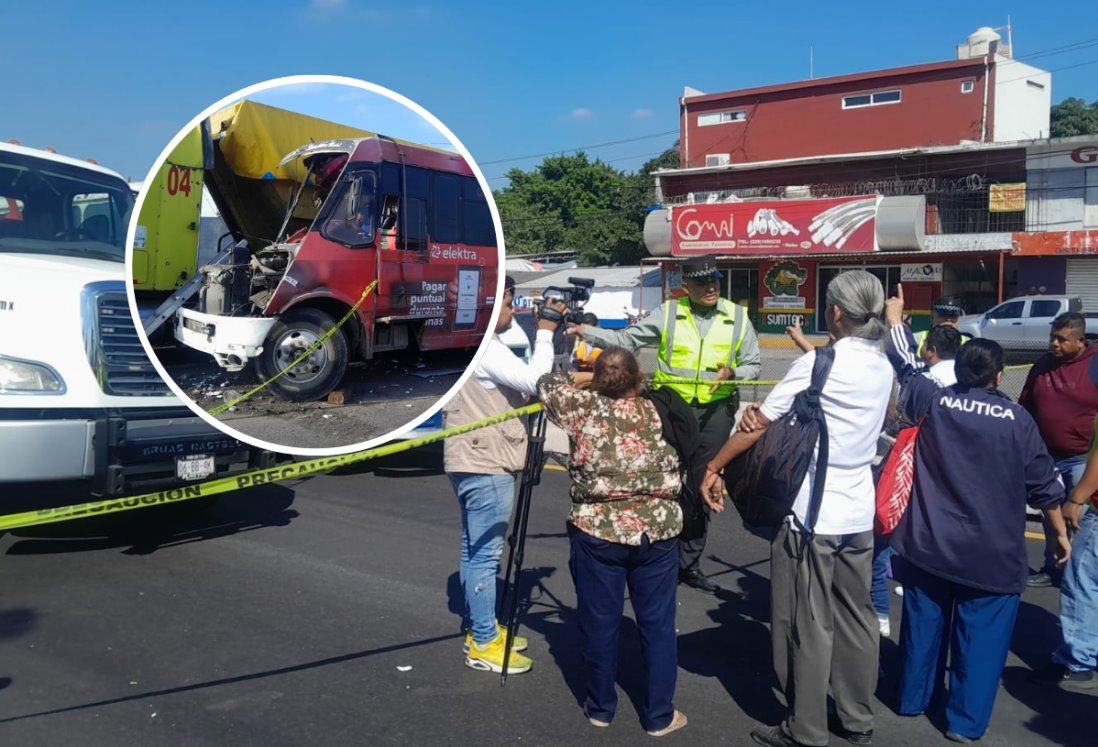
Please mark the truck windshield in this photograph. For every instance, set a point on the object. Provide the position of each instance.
(49, 207)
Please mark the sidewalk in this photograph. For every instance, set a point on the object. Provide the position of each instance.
(774, 341)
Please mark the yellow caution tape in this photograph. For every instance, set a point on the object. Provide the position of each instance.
(722, 382)
(308, 351)
(246, 479)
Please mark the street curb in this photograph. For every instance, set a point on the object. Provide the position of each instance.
(782, 342)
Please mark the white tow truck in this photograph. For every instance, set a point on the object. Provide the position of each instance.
(79, 399)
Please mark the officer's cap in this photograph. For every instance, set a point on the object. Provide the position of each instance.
(947, 307)
(700, 267)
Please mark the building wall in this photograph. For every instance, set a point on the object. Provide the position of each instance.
(1062, 199)
(1021, 99)
(811, 121)
(1037, 273)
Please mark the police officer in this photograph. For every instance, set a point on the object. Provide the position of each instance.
(700, 336)
(945, 311)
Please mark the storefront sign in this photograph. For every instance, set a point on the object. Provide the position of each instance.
(1086, 155)
(778, 322)
(929, 272)
(1050, 155)
(845, 224)
(786, 294)
(783, 302)
(1006, 198)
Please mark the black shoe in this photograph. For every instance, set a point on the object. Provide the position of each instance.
(1057, 675)
(699, 581)
(1042, 580)
(955, 737)
(863, 738)
(773, 736)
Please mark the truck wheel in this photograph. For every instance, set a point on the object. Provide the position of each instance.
(291, 336)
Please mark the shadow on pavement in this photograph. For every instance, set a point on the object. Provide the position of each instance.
(144, 531)
(736, 649)
(315, 664)
(1059, 715)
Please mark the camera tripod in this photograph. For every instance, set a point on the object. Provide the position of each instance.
(516, 540)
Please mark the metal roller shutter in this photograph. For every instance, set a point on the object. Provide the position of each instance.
(1082, 280)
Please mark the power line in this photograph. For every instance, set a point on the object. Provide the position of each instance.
(1073, 47)
(1053, 70)
(580, 147)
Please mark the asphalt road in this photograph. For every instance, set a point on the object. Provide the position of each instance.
(327, 612)
(380, 396)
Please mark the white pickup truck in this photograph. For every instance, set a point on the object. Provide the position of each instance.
(79, 400)
(1025, 322)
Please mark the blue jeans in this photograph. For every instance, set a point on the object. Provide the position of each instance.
(601, 571)
(485, 502)
(1071, 471)
(973, 627)
(1079, 600)
(882, 554)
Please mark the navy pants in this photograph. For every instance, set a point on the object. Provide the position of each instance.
(601, 571)
(715, 421)
(971, 625)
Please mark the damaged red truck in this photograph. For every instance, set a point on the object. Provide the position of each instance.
(415, 219)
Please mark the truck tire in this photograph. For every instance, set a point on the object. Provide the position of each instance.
(313, 377)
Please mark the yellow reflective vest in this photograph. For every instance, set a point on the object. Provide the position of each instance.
(684, 354)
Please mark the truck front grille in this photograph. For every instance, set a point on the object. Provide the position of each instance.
(114, 349)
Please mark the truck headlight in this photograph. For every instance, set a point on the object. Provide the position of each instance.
(26, 377)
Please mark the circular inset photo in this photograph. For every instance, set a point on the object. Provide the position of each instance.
(314, 263)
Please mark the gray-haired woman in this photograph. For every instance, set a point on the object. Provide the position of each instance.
(824, 631)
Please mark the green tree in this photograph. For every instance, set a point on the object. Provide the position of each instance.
(1073, 116)
(571, 203)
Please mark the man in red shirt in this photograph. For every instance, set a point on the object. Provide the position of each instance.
(1061, 393)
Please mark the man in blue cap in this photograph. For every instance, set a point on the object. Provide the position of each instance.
(702, 338)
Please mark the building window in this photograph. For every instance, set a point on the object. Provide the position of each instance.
(967, 86)
(714, 118)
(871, 99)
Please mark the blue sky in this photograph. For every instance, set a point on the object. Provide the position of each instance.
(108, 81)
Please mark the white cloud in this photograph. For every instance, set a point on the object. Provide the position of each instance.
(581, 113)
(643, 114)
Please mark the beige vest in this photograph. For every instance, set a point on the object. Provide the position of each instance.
(495, 450)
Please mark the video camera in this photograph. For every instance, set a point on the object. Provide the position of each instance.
(574, 297)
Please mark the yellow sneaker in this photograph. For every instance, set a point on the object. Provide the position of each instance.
(519, 644)
(489, 658)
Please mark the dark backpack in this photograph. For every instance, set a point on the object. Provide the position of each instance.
(764, 482)
(680, 430)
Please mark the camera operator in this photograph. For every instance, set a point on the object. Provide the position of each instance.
(700, 336)
(482, 465)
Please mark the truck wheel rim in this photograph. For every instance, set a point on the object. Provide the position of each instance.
(290, 347)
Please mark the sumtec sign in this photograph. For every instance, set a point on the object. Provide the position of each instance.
(846, 224)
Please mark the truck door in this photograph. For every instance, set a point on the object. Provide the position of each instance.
(1004, 323)
(1038, 321)
(404, 293)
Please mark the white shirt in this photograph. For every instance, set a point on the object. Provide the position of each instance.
(943, 373)
(854, 401)
(501, 367)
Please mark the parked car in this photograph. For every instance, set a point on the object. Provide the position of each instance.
(1024, 323)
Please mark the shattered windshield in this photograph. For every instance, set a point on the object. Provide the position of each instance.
(47, 207)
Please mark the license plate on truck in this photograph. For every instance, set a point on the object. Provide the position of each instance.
(196, 467)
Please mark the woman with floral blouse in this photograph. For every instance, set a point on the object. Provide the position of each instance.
(623, 528)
